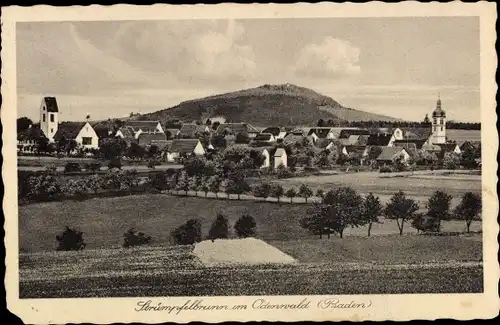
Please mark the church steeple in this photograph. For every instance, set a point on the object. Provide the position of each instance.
(438, 112)
(438, 123)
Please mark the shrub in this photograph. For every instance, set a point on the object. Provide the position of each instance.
(70, 240)
(386, 169)
(43, 187)
(262, 190)
(93, 166)
(283, 172)
(424, 223)
(188, 233)
(245, 226)
(115, 163)
(219, 228)
(134, 238)
(76, 188)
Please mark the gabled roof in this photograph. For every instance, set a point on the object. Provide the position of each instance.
(321, 132)
(32, 133)
(127, 131)
(184, 145)
(416, 133)
(51, 104)
(142, 125)
(460, 136)
(68, 130)
(390, 153)
(410, 147)
(354, 149)
(191, 130)
(431, 148)
(280, 152)
(381, 139)
(237, 128)
(151, 138)
(263, 137)
(447, 147)
(417, 142)
(323, 143)
(274, 130)
(346, 133)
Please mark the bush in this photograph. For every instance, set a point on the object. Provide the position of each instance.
(283, 172)
(424, 223)
(70, 240)
(262, 190)
(219, 228)
(386, 169)
(134, 238)
(43, 187)
(245, 226)
(115, 163)
(94, 167)
(188, 233)
(76, 188)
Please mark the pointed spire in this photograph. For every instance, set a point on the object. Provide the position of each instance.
(438, 104)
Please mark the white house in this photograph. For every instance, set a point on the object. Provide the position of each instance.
(280, 158)
(82, 132)
(185, 148)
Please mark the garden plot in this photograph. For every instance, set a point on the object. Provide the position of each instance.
(248, 251)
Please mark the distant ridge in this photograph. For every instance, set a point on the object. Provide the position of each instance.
(284, 104)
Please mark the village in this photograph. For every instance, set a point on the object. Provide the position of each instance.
(393, 148)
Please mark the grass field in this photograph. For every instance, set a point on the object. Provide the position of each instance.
(105, 220)
(372, 182)
(174, 271)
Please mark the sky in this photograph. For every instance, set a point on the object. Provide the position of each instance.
(390, 66)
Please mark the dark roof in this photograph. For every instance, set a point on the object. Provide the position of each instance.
(51, 104)
(128, 132)
(184, 145)
(32, 133)
(382, 139)
(274, 130)
(447, 147)
(373, 151)
(321, 132)
(410, 147)
(68, 130)
(416, 133)
(417, 142)
(352, 149)
(263, 137)
(323, 143)
(151, 138)
(236, 128)
(142, 125)
(102, 129)
(191, 130)
(347, 133)
(389, 153)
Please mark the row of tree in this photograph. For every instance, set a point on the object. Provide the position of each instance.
(345, 207)
(394, 124)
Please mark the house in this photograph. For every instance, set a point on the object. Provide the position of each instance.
(412, 133)
(354, 151)
(139, 127)
(184, 148)
(172, 133)
(346, 133)
(27, 140)
(280, 158)
(264, 137)
(126, 133)
(380, 139)
(235, 128)
(419, 143)
(191, 131)
(326, 144)
(154, 139)
(82, 132)
(410, 147)
(450, 147)
(292, 138)
(277, 132)
(321, 133)
(391, 154)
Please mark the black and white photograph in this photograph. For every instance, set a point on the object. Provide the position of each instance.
(235, 157)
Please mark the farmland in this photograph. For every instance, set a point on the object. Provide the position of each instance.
(419, 185)
(174, 271)
(104, 220)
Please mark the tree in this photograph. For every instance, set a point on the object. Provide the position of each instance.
(291, 193)
(133, 238)
(214, 184)
(204, 185)
(136, 151)
(401, 209)
(23, 123)
(451, 160)
(321, 194)
(344, 208)
(70, 240)
(70, 146)
(305, 192)
(439, 207)
(426, 119)
(219, 228)
(468, 156)
(195, 165)
(188, 233)
(245, 226)
(469, 208)
(316, 221)
(42, 145)
(242, 138)
(262, 190)
(277, 191)
(372, 209)
(236, 184)
(111, 148)
(182, 182)
(153, 151)
(321, 123)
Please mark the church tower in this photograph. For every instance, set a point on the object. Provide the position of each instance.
(49, 117)
(438, 124)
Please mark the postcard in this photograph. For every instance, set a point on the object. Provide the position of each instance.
(236, 162)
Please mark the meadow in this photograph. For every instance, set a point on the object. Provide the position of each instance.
(105, 220)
